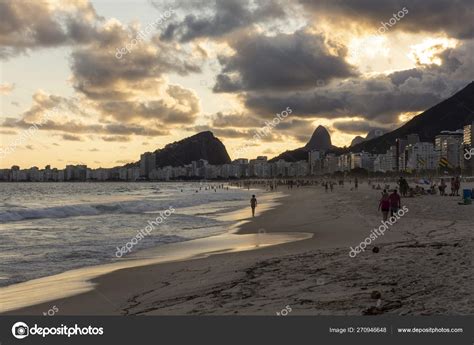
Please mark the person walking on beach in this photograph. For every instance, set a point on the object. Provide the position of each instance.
(442, 187)
(457, 185)
(356, 183)
(384, 205)
(395, 202)
(253, 204)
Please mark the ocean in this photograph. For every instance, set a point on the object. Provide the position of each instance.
(49, 228)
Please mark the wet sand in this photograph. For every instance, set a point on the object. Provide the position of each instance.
(423, 265)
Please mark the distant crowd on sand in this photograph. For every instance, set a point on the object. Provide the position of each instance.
(390, 201)
(432, 187)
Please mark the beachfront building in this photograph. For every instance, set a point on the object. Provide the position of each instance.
(420, 156)
(5, 175)
(386, 162)
(344, 162)
(315, 162)
(362, 160)
(400, 145)
(241, 167)
(330, 163)
(259, 167)
(468, 135)
(76, 172)
(147, 163)
(448, 145)
(415, 156)
(467, 146)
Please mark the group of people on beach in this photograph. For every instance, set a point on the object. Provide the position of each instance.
(455, 186)
(389, 203)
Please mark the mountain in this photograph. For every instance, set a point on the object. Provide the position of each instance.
(451, 114)
(357, 140)
(203, 145)
(373, 133)
(320, 140)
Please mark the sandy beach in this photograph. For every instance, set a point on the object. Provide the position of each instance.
(423, 266)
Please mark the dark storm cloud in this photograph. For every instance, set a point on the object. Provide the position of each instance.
(282, 62)
(381, 99)
(28, 25)
(400, 77)
(217, 18)
(309, 104)
(350, 99)
(356, 127)
(246, 125)
(453, 17)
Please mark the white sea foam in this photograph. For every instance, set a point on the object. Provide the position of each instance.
(54, 227)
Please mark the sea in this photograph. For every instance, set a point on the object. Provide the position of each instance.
(49, 228)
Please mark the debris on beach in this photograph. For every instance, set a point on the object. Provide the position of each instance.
(375, 295)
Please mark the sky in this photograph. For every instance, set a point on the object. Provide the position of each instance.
(100, 82)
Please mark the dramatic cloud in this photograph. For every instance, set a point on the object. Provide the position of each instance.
(381, 98)
(182, 109)
(131, 86)
(452, 17)
(245, 126)
(217, 18)
(352, 98)
(282, 62)
(28, 25)
(316, 57)
(356, 127)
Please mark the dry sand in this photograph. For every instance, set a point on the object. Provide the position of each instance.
(424, 265)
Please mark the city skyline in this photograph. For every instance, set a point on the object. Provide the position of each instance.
(409, 154)
(96, 78)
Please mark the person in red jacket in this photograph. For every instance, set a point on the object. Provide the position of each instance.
(384, 205)
(395, 202)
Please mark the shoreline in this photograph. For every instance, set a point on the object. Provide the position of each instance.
(314, 276)
(78, 281)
